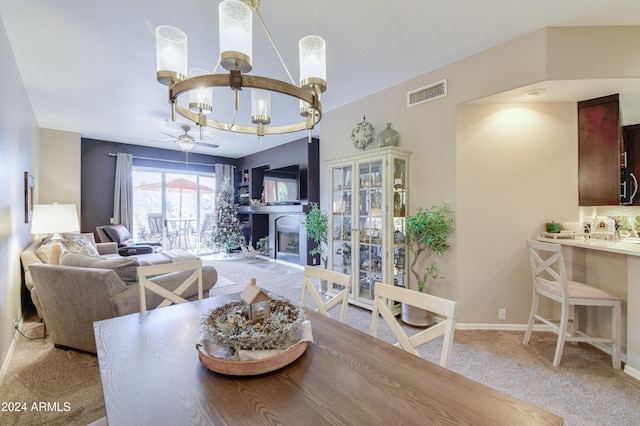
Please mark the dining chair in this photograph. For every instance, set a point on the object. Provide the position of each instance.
(341, 280)
(146, 275)
(444, 308)
(156, 226)
(550, 281)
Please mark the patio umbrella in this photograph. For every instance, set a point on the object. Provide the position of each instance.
(178, 184)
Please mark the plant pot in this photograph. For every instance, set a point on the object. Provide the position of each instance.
(416, 316)
(324, 286)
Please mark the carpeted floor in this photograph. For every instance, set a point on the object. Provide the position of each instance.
(585, 390)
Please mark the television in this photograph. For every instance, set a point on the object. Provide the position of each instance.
(282, 185)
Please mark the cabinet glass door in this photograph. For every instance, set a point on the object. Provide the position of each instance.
(399, 222)
(342, 205)
(370, 230)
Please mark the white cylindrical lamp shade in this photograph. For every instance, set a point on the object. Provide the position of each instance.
(200, 99)
(171, 53)
(260, 106)
(236, 32)
(313, 62)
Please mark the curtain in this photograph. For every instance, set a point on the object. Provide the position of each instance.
(223, 172)
(123, 190)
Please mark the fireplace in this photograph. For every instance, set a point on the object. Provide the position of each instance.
(288, 238)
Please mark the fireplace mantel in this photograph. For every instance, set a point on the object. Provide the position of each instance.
(282, 208)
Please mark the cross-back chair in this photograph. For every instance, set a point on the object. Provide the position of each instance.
(334, 277)
(550, 281)
(146, 274)
(441, 307)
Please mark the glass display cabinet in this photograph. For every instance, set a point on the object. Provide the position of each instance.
(367, 220)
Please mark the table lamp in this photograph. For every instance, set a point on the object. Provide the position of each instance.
(54, 219)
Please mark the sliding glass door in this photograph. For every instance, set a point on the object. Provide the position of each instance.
(176, 208)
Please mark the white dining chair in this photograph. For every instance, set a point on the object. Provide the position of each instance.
(444, 308)
(550, 281)
(147, 273)
(333, 277)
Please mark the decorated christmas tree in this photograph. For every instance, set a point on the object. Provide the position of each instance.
(227, 234)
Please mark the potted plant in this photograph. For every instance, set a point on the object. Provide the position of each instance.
(426, 234)
(317, 225)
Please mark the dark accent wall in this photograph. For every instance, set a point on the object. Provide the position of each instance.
(99, 168)
(307, 156)
(300, 152)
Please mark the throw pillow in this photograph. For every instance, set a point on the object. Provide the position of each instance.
(45, 249)
(126, 268)
(77, 243)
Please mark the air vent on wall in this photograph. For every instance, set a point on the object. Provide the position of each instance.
(427, 93)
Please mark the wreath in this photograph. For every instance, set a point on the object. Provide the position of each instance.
(363, 134)
(228, 325)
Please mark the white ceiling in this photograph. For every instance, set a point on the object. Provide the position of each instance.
(89, 66)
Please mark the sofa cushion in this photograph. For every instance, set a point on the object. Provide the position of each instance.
(44, 250)
(126, 268)
(80, 243)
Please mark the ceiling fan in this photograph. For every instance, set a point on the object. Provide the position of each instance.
(186, 142)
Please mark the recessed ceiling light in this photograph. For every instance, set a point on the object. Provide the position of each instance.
(534, 92)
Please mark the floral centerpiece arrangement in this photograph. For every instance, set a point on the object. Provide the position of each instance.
(229, 325)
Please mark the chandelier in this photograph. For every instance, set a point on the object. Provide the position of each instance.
(235, 31)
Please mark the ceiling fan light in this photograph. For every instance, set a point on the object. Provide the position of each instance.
(200, 99)
(260, 106)
(186, 145)
(171, 53)
(313, 62)
(236, 32)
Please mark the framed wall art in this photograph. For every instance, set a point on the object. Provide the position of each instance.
(28, 197)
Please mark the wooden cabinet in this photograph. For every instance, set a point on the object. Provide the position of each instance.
(631, 173)
(599, 152)
(367, 220)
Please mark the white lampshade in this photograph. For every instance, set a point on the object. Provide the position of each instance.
(236, 32)
(313, 60)
(200, 99)
(54, 219)
(171, 51)
(260, 106)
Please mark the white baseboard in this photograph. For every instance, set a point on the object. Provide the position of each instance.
(504, 327)
(12, 346)
(632, 372)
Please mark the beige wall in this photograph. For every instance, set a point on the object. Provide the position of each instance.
(60, 168)
(18, 154)
(479, 158)
(517, 168)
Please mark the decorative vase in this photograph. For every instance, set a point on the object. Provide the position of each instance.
(324, 286)
(415, 316)
(388, 137)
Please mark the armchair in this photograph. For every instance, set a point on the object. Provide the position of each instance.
(126, 245)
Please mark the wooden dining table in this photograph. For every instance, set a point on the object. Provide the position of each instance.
(151, 374)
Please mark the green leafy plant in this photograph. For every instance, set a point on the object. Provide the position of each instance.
(426, 234)
(317, 226)
(263, 245)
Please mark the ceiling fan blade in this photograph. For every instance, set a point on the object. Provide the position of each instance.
(161, 140)
(167, 134)
(208, 145)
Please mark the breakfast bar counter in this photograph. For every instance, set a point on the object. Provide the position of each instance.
(615, 267)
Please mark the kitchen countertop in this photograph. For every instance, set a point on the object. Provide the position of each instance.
(620, 247)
